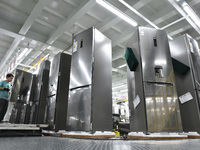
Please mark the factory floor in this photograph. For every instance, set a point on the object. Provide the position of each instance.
(60, 143)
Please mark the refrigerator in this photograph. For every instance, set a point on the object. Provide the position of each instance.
(29, 111)
(185, 50)
(90, 95)
(40, 93)
(152, 94)
(20, 95)
(57, 98)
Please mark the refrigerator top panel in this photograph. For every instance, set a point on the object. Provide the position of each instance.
(54, 74)
(155, 54)
(82, 58)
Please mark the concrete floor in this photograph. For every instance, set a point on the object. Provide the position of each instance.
(60, 143)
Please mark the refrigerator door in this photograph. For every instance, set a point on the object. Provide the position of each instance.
(79, 110)
(81, 66)
(16, 85)
(155, 54)
(162, 109)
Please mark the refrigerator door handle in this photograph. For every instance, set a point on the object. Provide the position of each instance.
(80, 87)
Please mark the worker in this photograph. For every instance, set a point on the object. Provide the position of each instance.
(4, 95)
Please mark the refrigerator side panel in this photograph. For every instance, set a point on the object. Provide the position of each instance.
(102, 83)
(43, 97)
(62, 92)
(135, 88)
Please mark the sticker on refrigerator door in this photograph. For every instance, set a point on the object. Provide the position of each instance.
(185, 98)
(191, 47)
(142, 33)
(136, 101)
(75, 46)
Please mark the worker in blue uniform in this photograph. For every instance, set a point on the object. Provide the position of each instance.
(4, 95)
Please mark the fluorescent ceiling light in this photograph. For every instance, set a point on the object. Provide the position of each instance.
(124, 90)
(22, 54)
(48, 47)
(117, 12)
(122, 66)
(192, 14)
(139, 14)
(118, 87)
(114, 69)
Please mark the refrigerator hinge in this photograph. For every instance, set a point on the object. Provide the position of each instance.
(92, 58)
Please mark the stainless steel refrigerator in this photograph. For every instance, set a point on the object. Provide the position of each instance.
(152, 94)
(57, 98)
(40, 93)
(30, 111)
(90, 98)
(20, 93)
(185, 50)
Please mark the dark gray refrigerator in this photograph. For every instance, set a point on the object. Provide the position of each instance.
(90, 95)
(57, 98)
(40, 93)
(185, 51)
(20, 95)
(152, 95)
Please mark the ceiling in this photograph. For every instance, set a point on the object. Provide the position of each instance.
(46, 27)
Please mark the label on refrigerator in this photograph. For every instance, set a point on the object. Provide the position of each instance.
(136, 101)
(191, 47)
(185, 98)
(75, 46)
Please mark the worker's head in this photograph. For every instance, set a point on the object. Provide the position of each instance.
(9, 77)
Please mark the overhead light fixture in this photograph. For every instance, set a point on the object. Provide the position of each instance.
(192, 14)
(139, 14)
(186, 11)
(114, 69)
(124, 90)
(23, 54)
(118, 86)
(48, 47)
(122, 66)
(117, 12)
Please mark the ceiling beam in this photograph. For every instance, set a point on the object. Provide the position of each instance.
(71, 3)
(9, 33)
(54, 12)
(94, 16)
(10, 51)
(45, 23)
(34, 14)
(180, 30)
(82, 9)
(12, 9)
